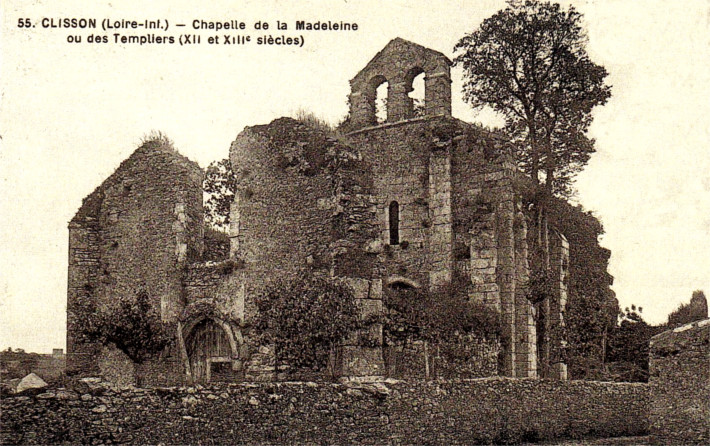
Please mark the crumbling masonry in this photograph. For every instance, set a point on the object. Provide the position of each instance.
(413, 202)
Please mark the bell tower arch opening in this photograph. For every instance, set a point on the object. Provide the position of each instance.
(418, 84)
(415, 87)
(380, 98)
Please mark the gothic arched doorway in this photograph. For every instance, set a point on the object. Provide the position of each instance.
(211, 351)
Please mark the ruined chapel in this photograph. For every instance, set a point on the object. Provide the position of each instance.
(418, 201)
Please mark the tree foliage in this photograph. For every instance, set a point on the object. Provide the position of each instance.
(219, 186)
(452, 326)
(592, 307)
(529, 63)
(131, 324)
(305, 318)
(696, 310)
(629, 341)
(629, 346)
(438, 317)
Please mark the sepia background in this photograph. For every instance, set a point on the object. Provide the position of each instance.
(71, 113)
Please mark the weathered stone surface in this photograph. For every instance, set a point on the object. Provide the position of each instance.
(30, 381)
(134, 233)
(9, 386)
(679, 384)
(483, 411)
(398, 63)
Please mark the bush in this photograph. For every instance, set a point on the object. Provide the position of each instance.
(411, 314)
(310, 119)
(696, 310)
(305, 318)
(133, 325)
(459, 332)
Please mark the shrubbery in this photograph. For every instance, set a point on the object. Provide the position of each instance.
(132, 324)
(306, 318)
(452, 327)
(437, 316)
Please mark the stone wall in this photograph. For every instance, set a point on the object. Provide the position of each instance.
(289, 208)
(495, 410)
(83, 274)
(303, 205)
(470, 357)
(679, 384)
(490, 246)
(150, 226)
(135, 232)
(203, 280)
(400, 158)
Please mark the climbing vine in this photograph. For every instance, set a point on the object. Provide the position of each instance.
(305, 318)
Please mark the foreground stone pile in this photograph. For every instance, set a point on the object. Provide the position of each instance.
(463, 412)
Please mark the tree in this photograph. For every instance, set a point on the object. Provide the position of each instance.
(219, 186)
(592, 308)
(696, 310)
(529, 63)
(629, 346)
(306, 318)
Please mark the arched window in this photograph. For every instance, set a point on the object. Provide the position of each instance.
(375, 95)
(394, 223)
(416, 93)
(381, 96)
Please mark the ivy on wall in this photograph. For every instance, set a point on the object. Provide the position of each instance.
(305, 318)
(132, 324)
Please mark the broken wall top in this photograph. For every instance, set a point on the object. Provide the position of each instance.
(141, 162)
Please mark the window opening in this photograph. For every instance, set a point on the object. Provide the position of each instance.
(381, 102)
(417, 95)
(394, 223)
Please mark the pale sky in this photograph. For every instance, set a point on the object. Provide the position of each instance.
(71, 112)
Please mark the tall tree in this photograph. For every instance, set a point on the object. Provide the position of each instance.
(529, 63)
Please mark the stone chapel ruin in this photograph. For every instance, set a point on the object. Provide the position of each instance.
(413, 202)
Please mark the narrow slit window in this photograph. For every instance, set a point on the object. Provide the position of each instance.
(394, 223)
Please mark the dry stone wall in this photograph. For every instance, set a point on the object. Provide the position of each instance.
(485, 411)
(679, 384)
